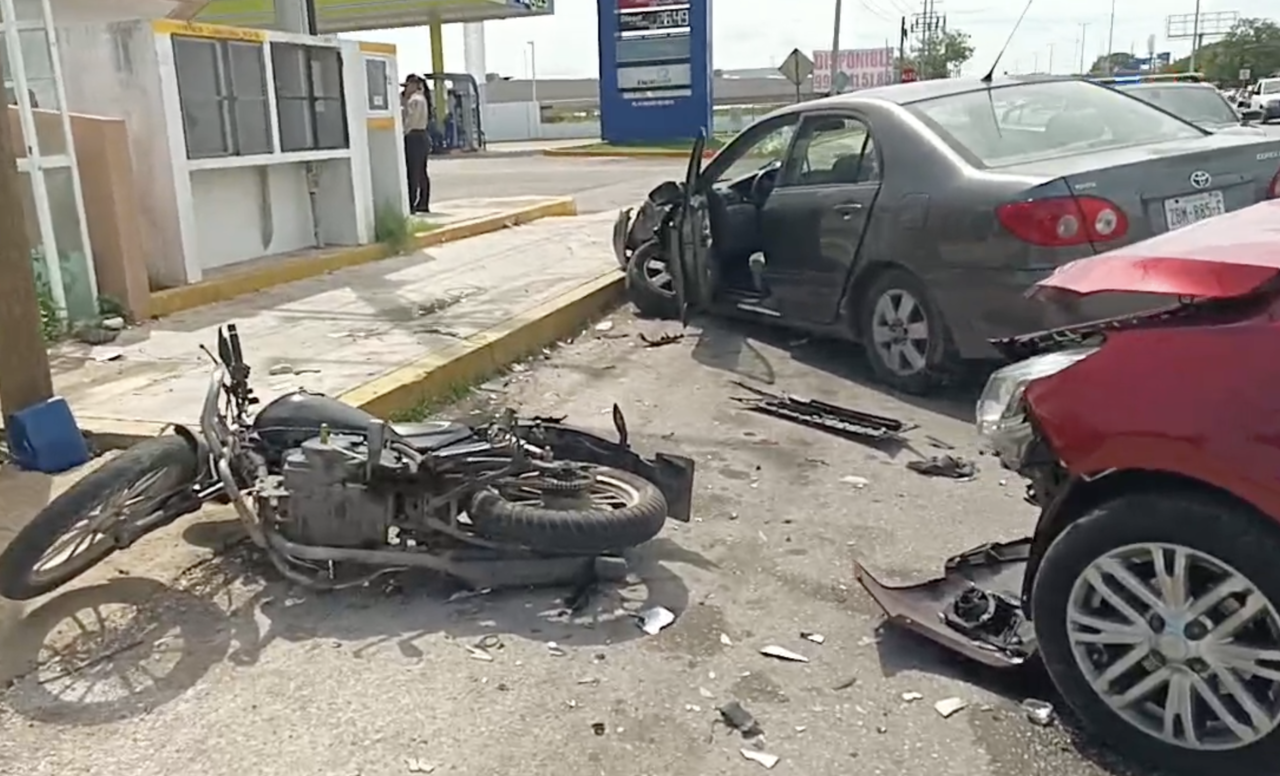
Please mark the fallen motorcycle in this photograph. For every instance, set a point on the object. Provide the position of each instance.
(336, 497)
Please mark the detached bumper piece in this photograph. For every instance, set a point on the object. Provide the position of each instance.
(974, 609)
(831, 418)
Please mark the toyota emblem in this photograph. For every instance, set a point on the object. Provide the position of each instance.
(1201, 179)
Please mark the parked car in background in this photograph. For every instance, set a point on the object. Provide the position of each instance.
(1150, 443)
(912, 218)
(1265, 96)
(1199, 103)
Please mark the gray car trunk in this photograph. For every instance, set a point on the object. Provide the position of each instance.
(1141, 179)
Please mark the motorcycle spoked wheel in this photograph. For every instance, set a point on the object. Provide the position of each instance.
(613, 511)
(74, 529)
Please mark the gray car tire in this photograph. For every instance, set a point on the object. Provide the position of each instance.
(650, 300)
(894, 286)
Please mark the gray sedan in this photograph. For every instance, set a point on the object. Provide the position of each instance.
(912, 218)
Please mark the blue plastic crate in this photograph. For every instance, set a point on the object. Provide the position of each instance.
(45, 437)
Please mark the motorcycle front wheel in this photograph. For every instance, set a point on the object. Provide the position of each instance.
(74, 532)
(581, 509)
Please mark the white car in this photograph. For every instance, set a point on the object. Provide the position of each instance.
(1265, 96)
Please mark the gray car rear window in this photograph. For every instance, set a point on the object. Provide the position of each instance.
(1030, 122)
(1197, 104)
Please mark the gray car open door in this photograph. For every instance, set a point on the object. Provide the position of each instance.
(689, 242)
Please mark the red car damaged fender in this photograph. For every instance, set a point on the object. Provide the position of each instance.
(1150, 589)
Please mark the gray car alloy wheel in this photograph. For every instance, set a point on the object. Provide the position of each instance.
(1179, 644)
(657, 275)
(900, 332)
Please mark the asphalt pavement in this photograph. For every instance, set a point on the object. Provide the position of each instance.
(598, 184)
(201, 661)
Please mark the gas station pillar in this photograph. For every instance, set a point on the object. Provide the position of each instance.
(437, 66)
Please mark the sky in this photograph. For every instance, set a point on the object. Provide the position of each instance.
(760, 33)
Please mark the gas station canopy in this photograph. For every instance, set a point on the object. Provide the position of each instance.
(334, 16)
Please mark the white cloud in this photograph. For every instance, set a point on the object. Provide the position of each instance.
(760, 33)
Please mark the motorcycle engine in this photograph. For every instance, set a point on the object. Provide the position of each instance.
(328, 502)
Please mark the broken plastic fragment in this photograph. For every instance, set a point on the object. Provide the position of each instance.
(738, 718)
(1038, 711)
(782, 653)
(948, 706)
(598, 728)
(856, 481)
(704, 692)
(555, 649)
(462, 595)
(604, 325)
(480, 654)
(652, 621)
(816, 638)
(764, 758)
(416, 765)
(725, 640)
(911, 697)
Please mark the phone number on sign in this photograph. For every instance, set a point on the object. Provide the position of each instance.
(857, 80)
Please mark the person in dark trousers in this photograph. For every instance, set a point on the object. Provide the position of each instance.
(417, 145)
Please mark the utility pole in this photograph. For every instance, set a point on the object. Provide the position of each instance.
(24, 363)
(1050, 59)
(926, 24)
(1084, 29)
(1111, 35)
(835, 46)
(1195, 38)
(902, 47)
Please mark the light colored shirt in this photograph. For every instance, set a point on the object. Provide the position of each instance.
(414, 114)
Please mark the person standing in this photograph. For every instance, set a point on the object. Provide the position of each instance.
(417, 145)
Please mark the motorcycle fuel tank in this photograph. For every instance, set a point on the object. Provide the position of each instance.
(295, 417)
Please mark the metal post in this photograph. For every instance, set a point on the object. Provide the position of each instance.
(1111, 36)
(533, 90)
(835, 45)
(1195, 38)
(1051, 59)
(1084, 29)
(24, 363)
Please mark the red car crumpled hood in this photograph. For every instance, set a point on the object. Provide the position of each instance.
(1221, 257)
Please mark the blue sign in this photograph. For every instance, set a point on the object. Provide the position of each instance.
(655, 70)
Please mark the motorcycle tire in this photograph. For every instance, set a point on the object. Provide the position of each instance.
(19, 580)
(573, 532)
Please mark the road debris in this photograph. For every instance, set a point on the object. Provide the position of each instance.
(555, 649)
(591, 680)
(418, 765)
(657, 342)
(741, 720)
(948, 706)
(782, 653)
(845, 684)
(598, 728)
(102, 355)
(704, 692)
(604, 326)
(832, 418)
(478, 653)
(764, 758)
(463, 595)
(912, 697)
(1039, 712)
(938, 443)
(855, 481)
(951, 466)
(725, 640)
(652, 621)
(816, 638)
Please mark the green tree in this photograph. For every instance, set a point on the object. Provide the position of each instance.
(1109, 63)
(941, 55)
(1252, 44)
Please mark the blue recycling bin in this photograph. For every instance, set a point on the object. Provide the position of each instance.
(45, 437)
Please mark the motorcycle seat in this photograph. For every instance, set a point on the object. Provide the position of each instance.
(432, 435)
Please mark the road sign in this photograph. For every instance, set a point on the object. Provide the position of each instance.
(908, 75)
(1245, 74)
(796, 67)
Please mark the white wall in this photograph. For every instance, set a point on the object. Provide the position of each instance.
(112, 71)
(248, 212)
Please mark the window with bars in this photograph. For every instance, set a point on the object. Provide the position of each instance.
(222, 87)
(309, 97)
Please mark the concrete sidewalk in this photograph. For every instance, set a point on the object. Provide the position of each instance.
(336, 333)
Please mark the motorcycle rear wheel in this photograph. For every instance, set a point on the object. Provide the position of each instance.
(625, 510)
(130, 487)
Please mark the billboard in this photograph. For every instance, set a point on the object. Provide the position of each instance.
(655, 69)
(856, 69)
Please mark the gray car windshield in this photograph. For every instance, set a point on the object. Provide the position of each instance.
(1030, 122)
(1197, 104)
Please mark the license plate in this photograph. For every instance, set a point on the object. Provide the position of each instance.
(1184, 211)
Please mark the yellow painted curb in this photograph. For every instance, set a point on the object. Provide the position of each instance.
(234, 284)
(638, 153)
(482, 354)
